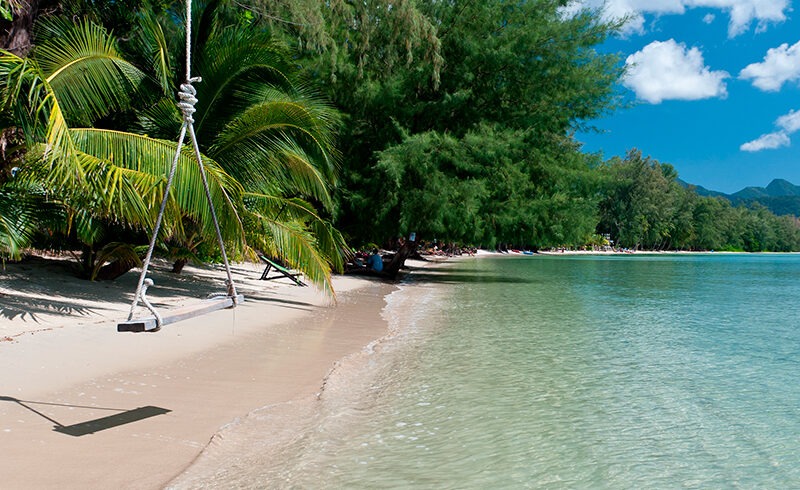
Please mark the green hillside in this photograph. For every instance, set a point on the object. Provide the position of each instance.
(780, 196)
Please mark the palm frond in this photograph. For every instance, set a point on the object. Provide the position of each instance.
(87, 227)
(150, 42)
(84, 68)
(35, 108)
(278, 114)
(279, 207)
(229, 58)
(126, 163)
(162, 120)
(323, 119)
(124, 253)
(331, 242)
(268, 137)
(59, 148)
(23, 209)
(328, 240)
(277, 167)
(294, 244)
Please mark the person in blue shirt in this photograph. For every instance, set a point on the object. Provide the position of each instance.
(375, 262)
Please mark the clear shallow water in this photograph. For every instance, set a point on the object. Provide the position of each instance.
(570, 372)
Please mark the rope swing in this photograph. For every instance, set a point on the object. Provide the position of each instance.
(228, 300)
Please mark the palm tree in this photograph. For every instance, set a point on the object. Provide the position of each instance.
(73, 98)
(263, 126)
(75, 77)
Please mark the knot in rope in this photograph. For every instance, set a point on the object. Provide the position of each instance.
(188, 99)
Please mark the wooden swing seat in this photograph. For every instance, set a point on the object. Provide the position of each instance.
(150, 324)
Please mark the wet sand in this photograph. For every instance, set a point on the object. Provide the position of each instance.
(278, 446)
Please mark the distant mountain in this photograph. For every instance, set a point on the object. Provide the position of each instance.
(780, 187)
(780, 205)
(780, 196)
(702, 191)
(749, 193)
(776, 188)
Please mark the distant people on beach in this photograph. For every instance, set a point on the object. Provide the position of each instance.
(375, 261)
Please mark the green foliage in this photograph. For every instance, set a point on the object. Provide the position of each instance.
(7, 10)
(24, 211)
(454, 120)
(267, 140)
(272, 133)
(358, 41)
(123, 253)
(644, 207)
(639, 205)
(485, 188)
(447, 70)
(118, 15)
(430, 185)
(84, 67)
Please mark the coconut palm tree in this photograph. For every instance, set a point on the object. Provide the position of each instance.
(261, 124)
(76, 77)
(76, 95)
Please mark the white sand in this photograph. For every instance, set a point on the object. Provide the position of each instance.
(64, 370)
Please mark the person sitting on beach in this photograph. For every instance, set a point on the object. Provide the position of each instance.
(375, 262)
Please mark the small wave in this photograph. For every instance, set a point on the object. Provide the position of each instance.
(274, 443)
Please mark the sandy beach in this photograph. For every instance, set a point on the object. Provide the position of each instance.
(82, 406)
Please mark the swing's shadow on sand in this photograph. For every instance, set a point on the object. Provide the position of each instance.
(286, 303)
(91, 426)
(96, 425)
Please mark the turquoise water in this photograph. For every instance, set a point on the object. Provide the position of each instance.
(573, 372)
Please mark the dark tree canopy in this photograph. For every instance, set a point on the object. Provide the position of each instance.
(440, 73)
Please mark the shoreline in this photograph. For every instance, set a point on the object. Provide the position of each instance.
(68, 376)
(557, 253)
(70, 380)
(272, 445)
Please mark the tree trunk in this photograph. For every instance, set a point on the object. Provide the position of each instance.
(113, 270)
(177, 266)
(393, 267)
(87, 259)
(17, 36)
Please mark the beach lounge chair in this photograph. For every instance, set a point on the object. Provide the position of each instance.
(282, 272)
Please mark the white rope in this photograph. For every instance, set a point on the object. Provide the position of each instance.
(189, 40)
(186, 105)
(188, 99)
(156, 228)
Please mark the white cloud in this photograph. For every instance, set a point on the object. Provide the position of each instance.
(633, 10)
(787, 124)
(709, 18)
(769, 141)
(780, 65)
(790, 122)
(742, 12)
(671, 71)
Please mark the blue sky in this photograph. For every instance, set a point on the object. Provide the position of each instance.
(715, 87)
